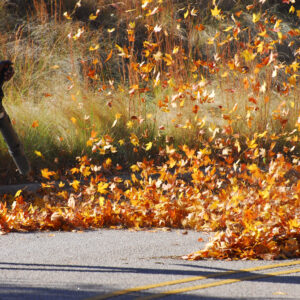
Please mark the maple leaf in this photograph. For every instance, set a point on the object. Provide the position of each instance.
(215, 11)
(102, 187)
(256, 17)
(35, 124)
(248, 55)
(75, 184)
(134, 139)
(46, 173)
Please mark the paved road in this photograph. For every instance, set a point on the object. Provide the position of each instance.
(80, 265)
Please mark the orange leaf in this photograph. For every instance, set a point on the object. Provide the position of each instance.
(35, 124)
(109, 56)
(46, 173)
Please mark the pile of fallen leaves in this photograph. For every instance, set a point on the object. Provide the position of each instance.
(246, 190)
(255, 213)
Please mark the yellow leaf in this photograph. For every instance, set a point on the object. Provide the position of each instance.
(101, 201)
(225, 74)
(129, 124)
(168, 59)
(94, 48)
(134, 168)
(292, 9)
(74, 120)
(253, 167)
(111, 30)
(252, 144)
(18, 193)
(75, 184)
(263, 33)
(46, 173)
(175, 50)
(133, 178)
(256, 17)
(74, 170)
(108, 162)
(92, 17)
(148, 146)
(295, 66)
(248, 55)
(38, 153)
(67, 16)
(134, 140)
(132, 25)
(293, 80)
(85, 171)
(186, 14)
(102, 186)
(228, 28)
(215, 12)
(61, 184)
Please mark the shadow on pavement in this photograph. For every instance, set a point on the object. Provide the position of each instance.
(292, 279)
(18, 291)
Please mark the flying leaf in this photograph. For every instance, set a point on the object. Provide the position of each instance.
(94, 48)
(200, 27)
(35, 124)
(67, 16)
(186, 14)
(256, 17)
(148, 146)
(38, 153)
(46, 173)
(75, 184)
(292, 9)
(215, 12)
(109, 56)
(74, 120)
(93, 17)
(18, 193)
(248, 55)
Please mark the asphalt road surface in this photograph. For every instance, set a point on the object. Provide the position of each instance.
(120, 264)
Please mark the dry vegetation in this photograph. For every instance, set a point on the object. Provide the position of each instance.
(182, 114)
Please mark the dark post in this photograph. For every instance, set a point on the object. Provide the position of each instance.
(11, 138)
